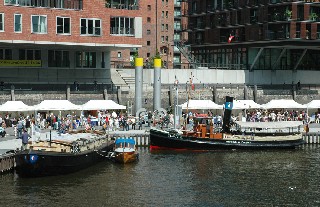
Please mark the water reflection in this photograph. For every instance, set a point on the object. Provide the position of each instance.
(182, 178)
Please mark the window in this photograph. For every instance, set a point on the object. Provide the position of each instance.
(167, 27)
(90, 27)
(58, 58)
(148, 54)
(149, 7)
(148, 31)
(17, 23)
(39, 24)
(162, 38)
(62, 4)
(177, 25)
(176, 37)
(162, 14)
(162, 27)
(167, 13)
(5, 54)
(63, 25)
(1, 22)
(29, 54)
(148, 43)
(148, 19)
(122, 26)
(167, 39)
(85, 59)
(119, 55)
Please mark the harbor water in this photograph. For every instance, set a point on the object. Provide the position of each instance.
(180, 178)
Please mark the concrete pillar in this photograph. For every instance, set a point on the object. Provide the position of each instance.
(255, 93)
(12, 93)
(68, 93)
(157, 85)
(105, 94)
(245, 92)
(294, 92)
(214, 94)
(119, 96)
(138, 83)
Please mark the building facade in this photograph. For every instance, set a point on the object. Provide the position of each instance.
(162, 31)
(65, 41)
(254, 35)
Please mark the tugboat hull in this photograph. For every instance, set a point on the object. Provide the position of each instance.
(159, 139)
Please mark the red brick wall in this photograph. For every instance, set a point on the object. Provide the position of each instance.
(91, 9)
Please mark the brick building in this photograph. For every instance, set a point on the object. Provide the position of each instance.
(252, 35)
(65, 41)
(162, 30)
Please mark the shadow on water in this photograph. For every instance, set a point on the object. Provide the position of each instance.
(180, 178)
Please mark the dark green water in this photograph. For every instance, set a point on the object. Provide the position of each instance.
(166, 178)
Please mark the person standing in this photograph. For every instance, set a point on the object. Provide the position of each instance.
(19, 129)
(25, 138)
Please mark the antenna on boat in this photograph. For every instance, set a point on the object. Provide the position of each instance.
(227, 114)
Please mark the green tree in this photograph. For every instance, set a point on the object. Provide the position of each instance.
(135, 55)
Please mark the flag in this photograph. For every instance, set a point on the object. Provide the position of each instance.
(230, 38)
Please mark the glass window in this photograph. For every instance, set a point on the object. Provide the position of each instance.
(5, 54)
(17, 23)
(39, 24)
(86, 59)
(29, 54)
(63, 25)
(90, 27)
(122, 26)
(1, 22)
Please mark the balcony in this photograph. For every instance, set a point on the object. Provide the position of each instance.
(276, 35)
(61, 4)
(122, 4)
(122, 31)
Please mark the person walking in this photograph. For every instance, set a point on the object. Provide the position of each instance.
(25, 139)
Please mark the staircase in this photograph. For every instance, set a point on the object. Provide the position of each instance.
(186, 52)
(122, 79)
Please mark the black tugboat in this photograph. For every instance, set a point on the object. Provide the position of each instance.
(249, 135)
(56, 157)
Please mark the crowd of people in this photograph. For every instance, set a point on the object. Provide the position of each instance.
(116, 120)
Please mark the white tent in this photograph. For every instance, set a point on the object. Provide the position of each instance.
(283, 104)
(201, 104)
(245, 104)
(102, 105)
(315, 104)
(56, 105)
(15, 106)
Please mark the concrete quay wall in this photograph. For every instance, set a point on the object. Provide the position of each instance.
(216, 93)
(213, 84)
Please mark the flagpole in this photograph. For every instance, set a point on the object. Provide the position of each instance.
(176, 114)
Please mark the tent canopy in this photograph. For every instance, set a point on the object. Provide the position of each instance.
(15, 106)
(283, 104)
(102, 105)
(56, 105)
(245, 104)
(201, 104)
(315, 104)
